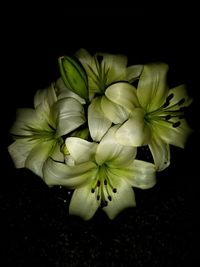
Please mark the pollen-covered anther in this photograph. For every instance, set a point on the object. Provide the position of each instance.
(168, 117)
(181, 101)
(109, 198)
(176, 124)
(114, 190)
(98, 183)
(166, 104)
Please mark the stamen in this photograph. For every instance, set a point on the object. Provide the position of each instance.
(109, 198)
(181, 101)
(114, 190)
(98, 183)
(176, 124)
(105, 182)
(92, 190)
(168, 117)
(166, 104)
(98, 197)
(169, 97)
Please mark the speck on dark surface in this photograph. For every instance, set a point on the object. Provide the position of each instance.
(37, 230)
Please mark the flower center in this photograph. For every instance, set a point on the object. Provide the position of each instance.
(99, 77)
(41, 134)
(170, 113)
(102, 187)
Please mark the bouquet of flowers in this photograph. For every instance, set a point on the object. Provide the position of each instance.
(85, 130)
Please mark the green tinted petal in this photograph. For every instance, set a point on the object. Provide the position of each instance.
(63, 91)
(98, 123)
(68, 114)
(152, 87)
(123, 94)
(47, 94)
(160, 152)
(114, 66)
(133, 72)
(83, 203)
(180, 93)
(176, 136)
(134, 132)
(80, 150)
(27, 117)
(19, 151)
(122, 199)
(57, 173)
(38, 155)
(111, 152)
(143, 174)
(115, 113)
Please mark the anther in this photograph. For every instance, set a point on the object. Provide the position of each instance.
(169, 97)
(98, 183)
(92, 190)
(181, 101)
(109, 198)
(98, 197)
(105, 182)
(166, 104)
(114, 190)
(176, 124)
(168, 117)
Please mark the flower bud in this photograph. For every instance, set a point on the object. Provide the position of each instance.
(74, 76)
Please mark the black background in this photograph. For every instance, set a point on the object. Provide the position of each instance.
(163, 230)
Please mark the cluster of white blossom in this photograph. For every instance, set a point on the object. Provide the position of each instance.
(84, 130)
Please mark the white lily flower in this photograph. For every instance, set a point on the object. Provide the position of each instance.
(38, 132)
(102, 175)
(157, 119)
(104, 69)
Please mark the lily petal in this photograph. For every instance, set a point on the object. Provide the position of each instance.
(57, 173)
(179, 93)
(176, 136)
(83, 203)
(122, 199)
(152, 87)
(115, 113)
(47, 94)
(143, 174)
(111, 152)
(97, 122)
(38, 155)
(133, 72)
(63, 91)
(134, 132)
(69, 115)
(19, 151)
(80, 149)
(27, 117)
(115, 65)
(160, 152)
(123, 94)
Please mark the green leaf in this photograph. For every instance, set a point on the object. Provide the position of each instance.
(74, 75)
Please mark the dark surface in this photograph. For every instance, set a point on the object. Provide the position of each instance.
(163, 230)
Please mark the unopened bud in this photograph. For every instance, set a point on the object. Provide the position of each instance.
(74, 75)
